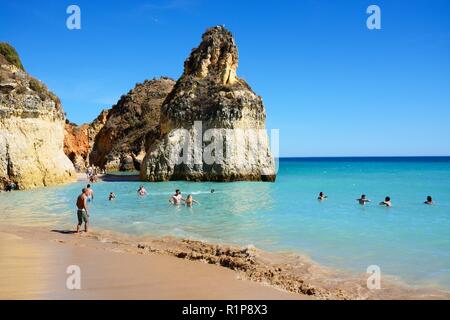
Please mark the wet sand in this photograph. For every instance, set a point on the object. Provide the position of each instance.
(33, 265)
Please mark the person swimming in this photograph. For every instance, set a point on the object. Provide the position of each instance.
(10, 186)
(112, 196)
(429, 200)
(190, 201)
(141, 191)
(363, 200)
(386, 202)
(176, 198)
(322, 196)
(212, 190)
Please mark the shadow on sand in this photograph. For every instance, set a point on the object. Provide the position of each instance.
(65, 231)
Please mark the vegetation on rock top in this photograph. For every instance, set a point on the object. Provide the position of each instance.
(8, 53)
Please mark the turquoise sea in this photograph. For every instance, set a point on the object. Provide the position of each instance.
(409, 240)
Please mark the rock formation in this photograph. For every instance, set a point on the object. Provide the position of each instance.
(31, 128)
(212, 124)
(76, 144)
(79, 140)
(120, 144)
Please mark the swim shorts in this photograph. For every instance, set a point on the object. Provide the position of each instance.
(82, 216)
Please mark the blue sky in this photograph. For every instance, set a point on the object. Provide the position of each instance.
(332, 87)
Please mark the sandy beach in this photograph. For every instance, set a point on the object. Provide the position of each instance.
(34, 263)
(35, 260)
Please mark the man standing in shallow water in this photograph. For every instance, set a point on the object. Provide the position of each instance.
(176, 198)
(82, 210)
(90, 193)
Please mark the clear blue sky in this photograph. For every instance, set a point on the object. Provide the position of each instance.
(331, 86)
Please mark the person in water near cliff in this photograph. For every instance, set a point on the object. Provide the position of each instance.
(363, 200)
(10, 186)
(112, 196)
(386, 202)
(82, 210)
(322, 196)
(141, 191)
(176, 198)
(429, 201)
(90, 193)
(190, 201)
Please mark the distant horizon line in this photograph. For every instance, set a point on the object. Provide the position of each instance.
(344, 157)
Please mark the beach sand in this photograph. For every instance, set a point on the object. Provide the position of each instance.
(34, 261)
(33, 265)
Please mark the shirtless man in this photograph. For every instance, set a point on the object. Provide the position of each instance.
(176, 198)
(90, 193)
(363, 200)
(82, 210)
(429, 201)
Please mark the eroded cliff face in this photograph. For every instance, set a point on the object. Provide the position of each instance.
(31, 130)
(212, 124)
(79, 140)
(120, 144)
(115, 141)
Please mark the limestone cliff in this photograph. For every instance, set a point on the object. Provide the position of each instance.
(31, 128)
(120, 144)
(212, 124)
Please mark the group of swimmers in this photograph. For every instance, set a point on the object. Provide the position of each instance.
(176, 199)
(87, 195)
(363, 200)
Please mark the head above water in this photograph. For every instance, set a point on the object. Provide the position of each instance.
(177, 191)
(321, 194)
(88, 185)
(84, 190)
(429, 199)
(363, 196)
(387, 199)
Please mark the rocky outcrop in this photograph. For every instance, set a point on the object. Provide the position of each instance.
(120, 144)
(31, 128)
(79, 140)
(76, 144)
(212, 124)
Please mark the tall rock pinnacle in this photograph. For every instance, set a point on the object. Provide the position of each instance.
(211, 113)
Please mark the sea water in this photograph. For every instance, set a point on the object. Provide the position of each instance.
(410, 240)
